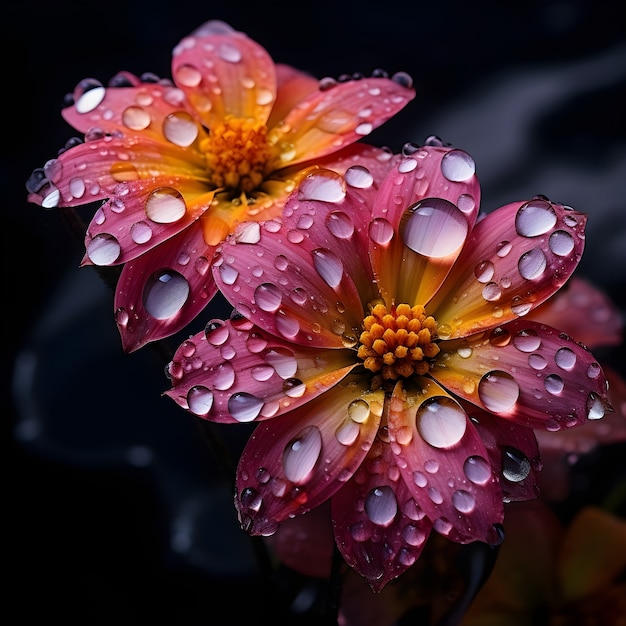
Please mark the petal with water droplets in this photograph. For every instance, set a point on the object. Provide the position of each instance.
(527, 372)
(294, 463)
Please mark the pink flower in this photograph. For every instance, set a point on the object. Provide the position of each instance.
(180, 164)
(377, 342)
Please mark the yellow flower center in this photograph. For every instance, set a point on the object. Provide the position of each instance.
(236, 154)
(397, 343)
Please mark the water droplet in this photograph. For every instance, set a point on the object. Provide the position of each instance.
(199, 400)
(503, 248)
(441, 422)
(381, 505)
(477, 469)
(340, 224)
(527, 340)
(434, 227)
(267, 297)
(457, 166)
(301, 454)
(89, 93)
(463, 501)
(565, 358)
(537, 362)
(165, 293)
(484, 271)
(554, 384)
(244, 407)
(216, 332)
(326, 186)
(515, 465)
(593, 371)
(283, 362)
(561, 243)
(380, 231)
(595, 407)
(141, 232)
(224, 376)
(328, 266)
(359, 177)
(103, 249)
(359, 410)
(491, 292)
(532, 264)
(136, 118)
(287, 325)
(294, 388)
(188, 76)
(180, 128)
(165, 206)
(535, 218)
(413, 535)
(498, 391)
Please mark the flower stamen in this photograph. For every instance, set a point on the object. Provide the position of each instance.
(398, 343)
(236, 154)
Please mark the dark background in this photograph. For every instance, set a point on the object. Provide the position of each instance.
(116, 509)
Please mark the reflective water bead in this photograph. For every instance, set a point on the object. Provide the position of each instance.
(216, 332)
(359, 177)
(441, 422)
(463, 501)
(267, 297)
(532, 264)
(244, 407)
(535, 218)
(328, 266)
(301, 454)
(498, 391)
(477, 469)
(165, 294)
(103, 249)
(200, 400)
(381, 505)
(326, 186)
(565, 358)
(515, 465)
(457, 166)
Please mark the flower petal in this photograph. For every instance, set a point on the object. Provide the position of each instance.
(526, 372)
(515, 259)
(295, 462)
(513, 452)
(420, 218)
(333, 118)
(224, 72)
(161, 291)
(270, 377)
(294, 86)
(379, 528)
(300, 279)
(444, 462)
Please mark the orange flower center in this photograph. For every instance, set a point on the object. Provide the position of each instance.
(397, 343)
(236, 154)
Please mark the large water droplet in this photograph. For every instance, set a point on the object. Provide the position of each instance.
(199, 400)
(457, 166)
(326, 186)
(244, 407)
(267, 297)
(498, 391)
(180, 128)
(381, 505)
(434, 227)
(301, 455)
(165, 293)
(328, 266)
(165, 206)
(441, 422)
(515, 465)
(103, 249)
(463, 501)
(535, 218)
(477, 469)
(527, 340)
(532, 264)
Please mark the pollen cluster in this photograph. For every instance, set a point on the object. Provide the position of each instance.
(395, 343)
(236, 154)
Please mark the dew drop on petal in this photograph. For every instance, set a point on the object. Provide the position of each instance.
(457, 166)
(103, 249)
(359, 177)
(484, 271)
(216, 332)
(287, 325)
(434, 227)
(561, 243)
(88, 95)
(380, 231)
(359, 410)
(340, 224)
(301, 454)
(244, 407)
(165, 293)
(165, 206)
(224, 376)
(532, 264)
(441, 422)
(328, 266)
(283, 362)
(535, 218)
(200, 400)
(327, 187)
(565, 358)
(595, 407)
(527, 341)
(593, 371)
(554, 384)
(498, 391)
(477, 469)
(515, 465)
(188, 76)
(180, 128)
(267, 297)
(141, 232)
(136, 118)
(537, 362)
(381, 505)
(463, 501)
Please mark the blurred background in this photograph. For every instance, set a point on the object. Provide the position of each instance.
(117, 508)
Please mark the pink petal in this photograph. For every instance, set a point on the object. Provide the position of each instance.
(444, 462)
(379, 528)
(513, 454)
(525, 372)
(514, 259)
(421, 216)
(584, 312)
(235, 372)
(163, 290)
(336, 117)
(295, 462)
(223, 72)
(300, 279)
(294, 86)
